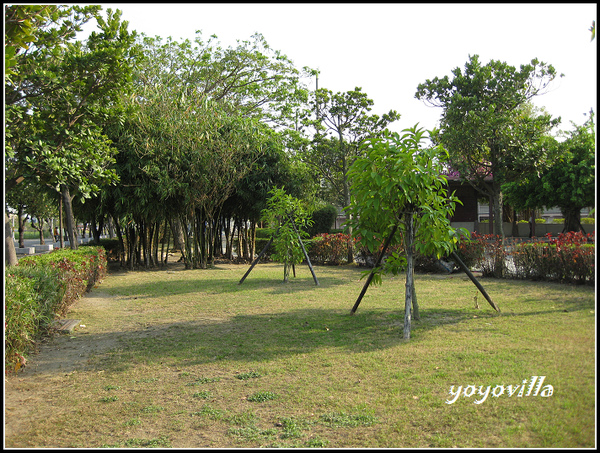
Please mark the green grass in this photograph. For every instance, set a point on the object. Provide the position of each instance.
(340, 380)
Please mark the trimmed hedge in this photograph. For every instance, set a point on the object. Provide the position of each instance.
(41, 288)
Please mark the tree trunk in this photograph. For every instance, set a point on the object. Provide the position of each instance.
(497, 209)
(20, 215)
(10, 254)
(121, 243)
(61, 222)
(572, 217)
(415, 305)
(246, 251)
(178, 237)
(66, 197)
(252, 245)
(409, 273)
(39, 228)
(228, 242)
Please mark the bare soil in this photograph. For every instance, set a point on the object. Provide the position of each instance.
(26, 394)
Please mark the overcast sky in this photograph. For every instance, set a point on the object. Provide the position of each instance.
(388, 49)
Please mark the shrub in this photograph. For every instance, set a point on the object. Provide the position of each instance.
(323, 219)
(484, 251)
(42, 287)
(329, 248)
(588, 220)
(32, 297)
(112, 248)
(471, 251)
(568, 258)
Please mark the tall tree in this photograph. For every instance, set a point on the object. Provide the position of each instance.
(253, 79)
(487, 125)
(62, 96)
(29, 29)
(342, 122)
(569, 183)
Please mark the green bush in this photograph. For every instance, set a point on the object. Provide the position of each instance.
(588, 220)
(40, 288)
(323, 219)
(32, 297)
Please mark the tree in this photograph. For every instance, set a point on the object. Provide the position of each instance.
(198, 123)
(270, 167)
(252, 79)
(488, 126)
(62, 95)
(28, 30)
(286, 217)
(37, 201)
(568, 184)
(342, 122)
(399, 195)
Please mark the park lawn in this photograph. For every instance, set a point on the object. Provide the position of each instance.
(204, 362)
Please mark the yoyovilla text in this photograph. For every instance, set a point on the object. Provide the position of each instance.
(526, 388)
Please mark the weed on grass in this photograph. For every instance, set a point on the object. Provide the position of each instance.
(133, 422)
(152, 409)
(343, 420)
(161, 442)
(209, 412)
(262, 397)
(204, 394)
(252, 433)
(244, 418)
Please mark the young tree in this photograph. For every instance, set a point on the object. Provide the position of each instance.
(487, 125)
(286, 216)
(399, 194)
(568, 184)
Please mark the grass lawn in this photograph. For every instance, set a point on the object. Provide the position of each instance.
(200, 361)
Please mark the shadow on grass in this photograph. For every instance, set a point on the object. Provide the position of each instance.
(270, 336)
(172, 286)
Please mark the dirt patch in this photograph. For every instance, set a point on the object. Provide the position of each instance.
(25, 396)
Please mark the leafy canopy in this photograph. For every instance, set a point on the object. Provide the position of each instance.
(398, 176)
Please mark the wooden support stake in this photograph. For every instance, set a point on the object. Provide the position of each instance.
(377, 263)
(304, 251)
(474, 280)
(264, 250)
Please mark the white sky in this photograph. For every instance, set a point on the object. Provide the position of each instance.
(388, 49)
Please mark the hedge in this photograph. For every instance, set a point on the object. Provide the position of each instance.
(570, 258)
(41, 288)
